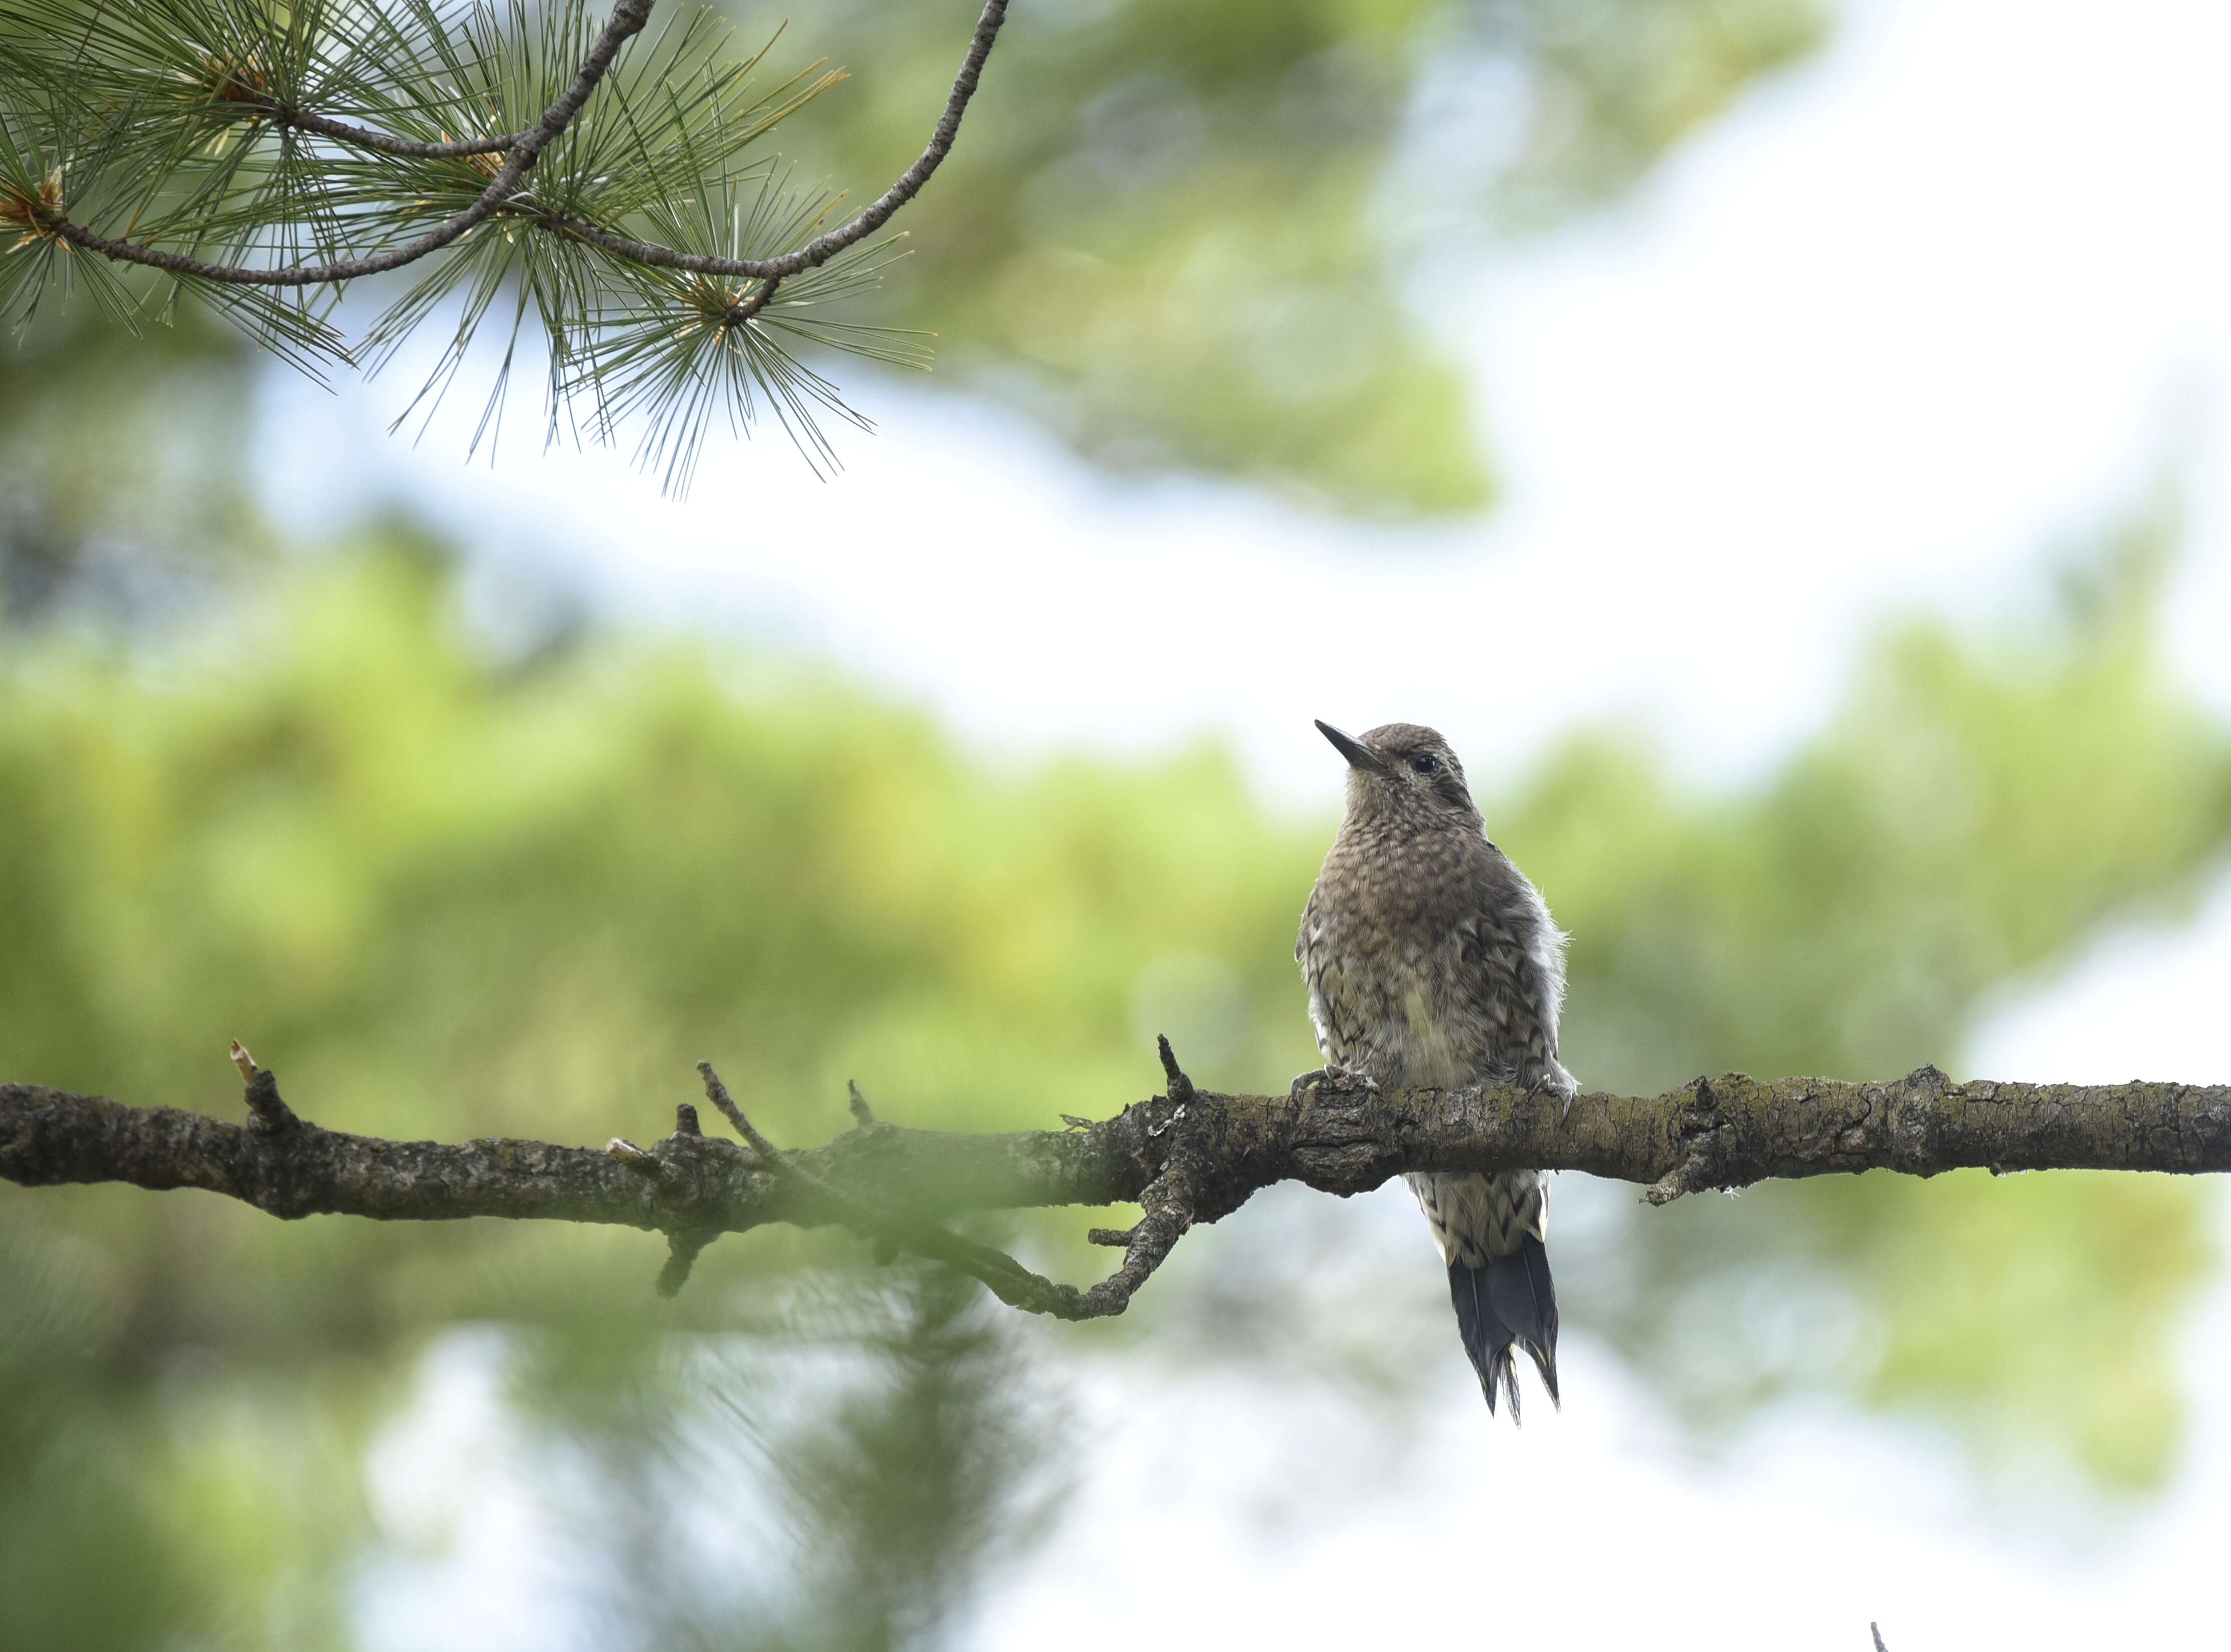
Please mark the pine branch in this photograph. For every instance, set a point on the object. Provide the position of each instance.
(1187, 1156)
(380, 143)
(203, 141)
(822, 248)
(627, 20)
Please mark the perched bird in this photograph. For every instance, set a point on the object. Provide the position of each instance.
(1431, 960)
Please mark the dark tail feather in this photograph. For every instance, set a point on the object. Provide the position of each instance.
(1510, 1304)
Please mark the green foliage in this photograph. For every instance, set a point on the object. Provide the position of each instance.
(869, 1452)
(227, 1511)
(120, 483)
(1620, 80)
(1180, 233)
(676, 379)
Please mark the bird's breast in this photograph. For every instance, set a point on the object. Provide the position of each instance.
(1381, 998)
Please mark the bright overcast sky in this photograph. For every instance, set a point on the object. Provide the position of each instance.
(1948, 295)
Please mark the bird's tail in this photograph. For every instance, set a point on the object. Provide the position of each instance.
(1510, 1304)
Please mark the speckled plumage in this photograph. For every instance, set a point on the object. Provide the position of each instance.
(1430, 959)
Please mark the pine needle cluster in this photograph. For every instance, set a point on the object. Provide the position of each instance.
(256, 154)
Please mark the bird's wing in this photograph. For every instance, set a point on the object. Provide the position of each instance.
(1510, 975)
(1321, 974)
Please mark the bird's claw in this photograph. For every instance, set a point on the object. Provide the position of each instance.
(1566, 1088)
(1335, 1078)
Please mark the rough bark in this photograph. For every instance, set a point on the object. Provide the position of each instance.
(1187, 1156)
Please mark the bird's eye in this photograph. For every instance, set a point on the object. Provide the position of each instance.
(1423, 762)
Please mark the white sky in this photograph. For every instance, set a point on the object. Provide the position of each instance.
(1950, 294)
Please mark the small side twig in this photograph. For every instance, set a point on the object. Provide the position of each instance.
(636, 1158)
(1005, 1278)
(682, 1249)
(266, 1112)
(874, 216)
(863, 1115)
(685, 1240)
(717, 1093)
(1168, 1217)
(758, 301)
(847, 1209)
(382, 143)
(1179, 1088)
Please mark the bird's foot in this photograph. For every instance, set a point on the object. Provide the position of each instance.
(1336, 1078)
(1563, 1084)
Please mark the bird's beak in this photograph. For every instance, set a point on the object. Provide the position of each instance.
(1359, 755)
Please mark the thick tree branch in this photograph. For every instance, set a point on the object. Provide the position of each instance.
(1187, 1156)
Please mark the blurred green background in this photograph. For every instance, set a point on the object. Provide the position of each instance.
(450, 887)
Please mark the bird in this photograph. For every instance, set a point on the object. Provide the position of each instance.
(1430, 959)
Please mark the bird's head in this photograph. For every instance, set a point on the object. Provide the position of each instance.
(1402, 771)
